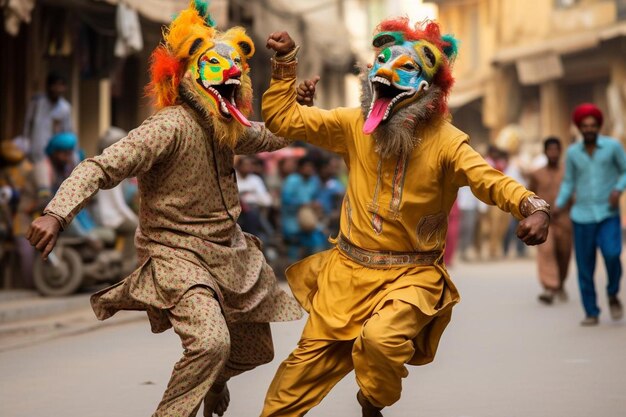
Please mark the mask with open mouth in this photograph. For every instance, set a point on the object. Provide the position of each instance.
(409, 62)
(205, 68)
(220, 74)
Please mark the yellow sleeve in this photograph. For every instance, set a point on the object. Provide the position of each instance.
(488, 184)
(284, 117)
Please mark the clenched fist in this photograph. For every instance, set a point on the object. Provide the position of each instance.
(533, 230)
(43, 234)
(280, 42)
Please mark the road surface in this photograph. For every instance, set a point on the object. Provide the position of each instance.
(503, 355)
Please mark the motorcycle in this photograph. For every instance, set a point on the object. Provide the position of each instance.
(75, 264)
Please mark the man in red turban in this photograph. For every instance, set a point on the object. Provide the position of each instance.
(586, 110)
(595, 171)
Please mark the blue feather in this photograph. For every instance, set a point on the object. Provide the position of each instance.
(452, 49)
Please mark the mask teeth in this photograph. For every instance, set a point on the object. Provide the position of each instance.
(205, 83)
(381, 80)
(221, 100)
(233, 81)
(374, 97)
(394, 101)
(223, 107)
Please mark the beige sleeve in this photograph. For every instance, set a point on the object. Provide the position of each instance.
(130, 157)
(258, 138)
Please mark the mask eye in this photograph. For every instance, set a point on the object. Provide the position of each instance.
(409, 67)
(214, 61)
(430, 57)
(246, 48)
(381, 58)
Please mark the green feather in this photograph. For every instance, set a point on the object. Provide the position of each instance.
(452, 49)
(202, 6)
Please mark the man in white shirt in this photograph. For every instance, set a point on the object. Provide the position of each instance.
(254, 198)
(471, 208)
(112, 210)
(47, 115)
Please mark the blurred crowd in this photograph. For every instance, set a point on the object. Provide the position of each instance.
(34, 165)
(291, 199)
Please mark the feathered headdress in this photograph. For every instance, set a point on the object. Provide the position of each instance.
(429, 31)
(192, 29)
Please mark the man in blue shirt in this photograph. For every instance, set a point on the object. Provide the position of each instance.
(595, 176)
(298, 195)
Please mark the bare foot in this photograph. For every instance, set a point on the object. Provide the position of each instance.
(367, 408)
(216, 400)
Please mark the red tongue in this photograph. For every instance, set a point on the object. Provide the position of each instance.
(234, 111)
(376, 115)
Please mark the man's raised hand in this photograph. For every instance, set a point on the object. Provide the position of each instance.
(280, 42)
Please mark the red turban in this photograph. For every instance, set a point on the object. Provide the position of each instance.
(587, 109)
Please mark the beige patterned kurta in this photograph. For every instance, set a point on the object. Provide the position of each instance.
(187, 234)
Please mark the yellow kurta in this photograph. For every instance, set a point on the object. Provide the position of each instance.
(397, 204)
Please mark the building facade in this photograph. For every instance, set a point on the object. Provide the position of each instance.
(530, 62)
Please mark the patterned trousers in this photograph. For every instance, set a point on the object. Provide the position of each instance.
(214, 351)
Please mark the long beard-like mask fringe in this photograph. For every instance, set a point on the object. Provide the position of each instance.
(399, 135)
(226, 134)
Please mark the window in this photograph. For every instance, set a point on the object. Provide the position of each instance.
(564, 4)
(621, 9)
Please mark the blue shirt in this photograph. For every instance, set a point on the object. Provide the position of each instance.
(330, 195)
(297, 191)
(592, 178)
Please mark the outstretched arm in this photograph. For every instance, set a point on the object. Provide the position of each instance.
(494, 188)
(130, 157)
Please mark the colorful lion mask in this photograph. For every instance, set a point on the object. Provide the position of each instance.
(409, 61)
(204, 68)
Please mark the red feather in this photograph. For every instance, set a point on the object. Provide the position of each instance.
(165, 75)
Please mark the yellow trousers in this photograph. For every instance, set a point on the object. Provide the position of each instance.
(378, 357)
(214, 351)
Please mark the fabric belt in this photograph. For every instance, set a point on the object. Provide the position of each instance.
(381, 259)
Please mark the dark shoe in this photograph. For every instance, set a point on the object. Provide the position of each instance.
(590, 321)
(561, 295)
(368, 410)
(216, 401)
(615, 307)
(546, 297)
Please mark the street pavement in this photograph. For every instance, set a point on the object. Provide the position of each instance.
(503, 355)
